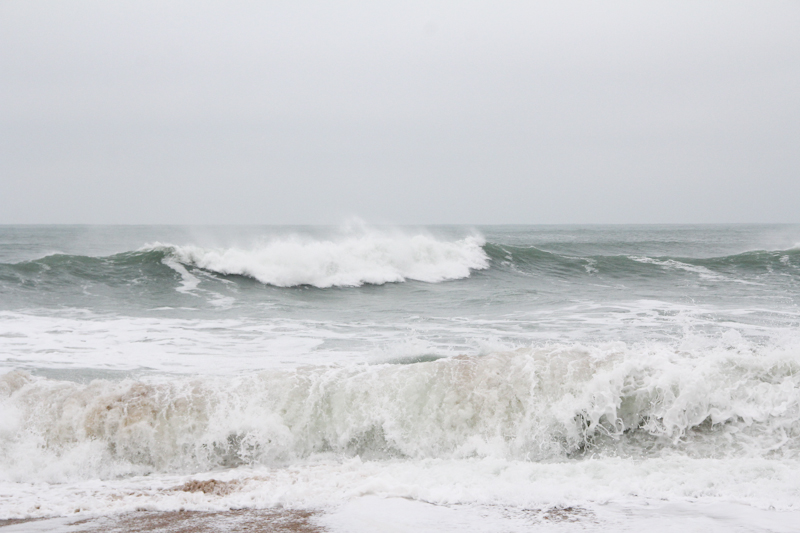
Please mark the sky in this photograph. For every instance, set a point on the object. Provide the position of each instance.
(192, 112)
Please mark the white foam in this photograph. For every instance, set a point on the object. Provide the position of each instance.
(701, 271)
(189, 282)
(79, 339)
(536, 404)
(369, 257)
(698, 421)
(758, 494)
(75, 340)
(402, 515)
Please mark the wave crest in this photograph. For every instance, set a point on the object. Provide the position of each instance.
(371, 258)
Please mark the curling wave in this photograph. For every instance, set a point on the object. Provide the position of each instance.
(372, 258)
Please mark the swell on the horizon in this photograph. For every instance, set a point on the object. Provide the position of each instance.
(747, 265)
(374, 257)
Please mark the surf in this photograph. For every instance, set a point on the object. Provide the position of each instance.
(546, 403)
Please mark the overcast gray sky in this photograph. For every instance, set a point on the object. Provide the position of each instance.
(399, 112)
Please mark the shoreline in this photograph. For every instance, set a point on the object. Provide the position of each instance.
(249, 520)
(368, 514)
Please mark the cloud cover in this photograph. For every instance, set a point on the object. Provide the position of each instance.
(406, 112)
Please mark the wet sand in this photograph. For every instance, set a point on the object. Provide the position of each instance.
(244, 520)
(370, 514)
(15, 521)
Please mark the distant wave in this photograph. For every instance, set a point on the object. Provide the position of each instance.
(351, 261)
(532, 260)
(376, 257)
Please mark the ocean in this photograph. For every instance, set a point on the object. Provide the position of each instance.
(447, 378)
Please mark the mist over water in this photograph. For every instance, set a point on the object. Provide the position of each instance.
(657, 362)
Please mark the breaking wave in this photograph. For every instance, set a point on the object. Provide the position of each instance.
(372, 258)
(533, 404)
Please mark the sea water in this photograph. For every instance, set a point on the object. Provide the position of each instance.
(421, 379)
